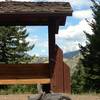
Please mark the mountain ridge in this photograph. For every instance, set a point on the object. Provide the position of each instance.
(71, 54)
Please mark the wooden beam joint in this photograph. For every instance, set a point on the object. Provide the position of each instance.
(53, 25)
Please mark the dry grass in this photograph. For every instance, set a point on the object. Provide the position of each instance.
(25, 96)
(13, 97)
(85, 97)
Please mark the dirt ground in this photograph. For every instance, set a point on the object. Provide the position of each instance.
(84, 97)
(73, 97)
(14, 97)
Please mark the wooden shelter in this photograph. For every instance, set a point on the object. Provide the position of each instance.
(52, 14)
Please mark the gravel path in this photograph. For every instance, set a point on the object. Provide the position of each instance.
(25, 96)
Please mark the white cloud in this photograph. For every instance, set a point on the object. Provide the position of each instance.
(70, 46)
(81, 14)
(79, 3)
(75, 30)
(73, 35)
(32, 40)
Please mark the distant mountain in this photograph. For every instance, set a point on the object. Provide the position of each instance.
(72, 62)
(40, 60)
(72, 59)
(71, 54)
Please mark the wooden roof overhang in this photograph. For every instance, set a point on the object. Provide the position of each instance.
(33, 13)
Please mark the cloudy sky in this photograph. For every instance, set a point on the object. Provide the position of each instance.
(69, 35)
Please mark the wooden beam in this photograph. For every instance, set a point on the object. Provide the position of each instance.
(29, 19)
(53, 25)
(53, 28)
(24, 81)
(24, 71)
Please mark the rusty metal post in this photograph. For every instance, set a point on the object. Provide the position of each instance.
(66, 78)
(60, 80)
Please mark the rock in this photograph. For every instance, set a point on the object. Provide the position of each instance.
(50, 96)
(39, 88)
(35, 97)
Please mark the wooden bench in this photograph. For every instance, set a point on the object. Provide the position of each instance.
(24, 74)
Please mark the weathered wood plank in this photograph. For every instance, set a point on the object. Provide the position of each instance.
(29, 19)
(51, 39)
(32, 13)
(24, 71)
(24, 81)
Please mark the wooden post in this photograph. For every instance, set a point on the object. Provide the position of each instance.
(59, 71)
(52, 30)
(53, 27)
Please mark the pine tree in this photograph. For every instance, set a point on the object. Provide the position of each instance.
(91, 52)
(78, 79)
(13, 45)
(13, 50)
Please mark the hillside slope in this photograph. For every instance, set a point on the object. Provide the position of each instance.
(72, 62)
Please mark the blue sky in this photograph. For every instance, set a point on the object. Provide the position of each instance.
(69, 35)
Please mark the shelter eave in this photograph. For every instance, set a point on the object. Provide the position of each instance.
(32, 13)
(31, 19)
